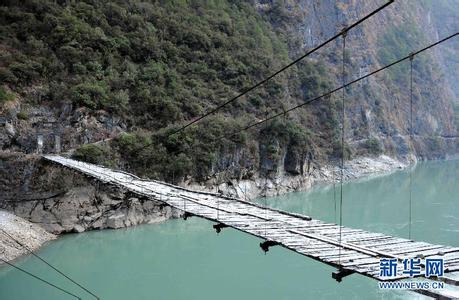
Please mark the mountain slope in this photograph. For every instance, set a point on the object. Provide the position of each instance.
(79, 72)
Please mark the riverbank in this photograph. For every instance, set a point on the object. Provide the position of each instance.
(188, 253)
(31, 235)
(283, 183)
(118, 209)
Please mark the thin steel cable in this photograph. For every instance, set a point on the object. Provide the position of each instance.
(245, 192)
(334, 191)
(218, 198)
(411, 141)
(266, 185)
(48, 264)
(40, 279)
(260, 83)
(342, 144)
(334, 183)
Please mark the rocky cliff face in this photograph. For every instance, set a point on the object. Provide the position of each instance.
(441, 18)
(48, 129)
(378, 107)
(61, 200)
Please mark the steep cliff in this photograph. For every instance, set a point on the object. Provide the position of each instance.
(379, 107)
(63, 201)
(79, 72)
(443, 16)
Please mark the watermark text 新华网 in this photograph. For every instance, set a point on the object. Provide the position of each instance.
(390, 268)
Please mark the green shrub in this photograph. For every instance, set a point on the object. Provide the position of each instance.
(5, 96)
(337, 150)
(26, 71)
(91, 95)
(285, 131)
(22, 115)
(172, 157)
(7, 76)
(314, 79)
(91, 153)
(397, 42)
(373, 146)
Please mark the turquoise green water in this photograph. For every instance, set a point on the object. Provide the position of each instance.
(187, 260)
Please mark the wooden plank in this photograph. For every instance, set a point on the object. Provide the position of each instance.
(420, 250)
(399, 246)
(448, 255)
(344, 232)
(345, 245)
(377, 242)
(364, 236)
(452, 268)
(332, 255)
(360, 262)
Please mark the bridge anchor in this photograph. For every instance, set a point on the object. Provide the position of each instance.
(218, 227)
(187, 215)
(266, 244)
(341, 273)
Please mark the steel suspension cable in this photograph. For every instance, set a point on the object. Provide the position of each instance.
(343, 78)
(412, 145)
(40, 279)
(266, 183)
(334, 183)
(48, 264)
(334, 190)
(217, 192)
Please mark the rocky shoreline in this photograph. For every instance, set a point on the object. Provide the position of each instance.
(31, 235)
(117, 210)
(283, 183)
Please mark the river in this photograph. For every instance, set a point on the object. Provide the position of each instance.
(187, 260)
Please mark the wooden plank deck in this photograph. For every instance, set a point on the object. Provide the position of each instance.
(359, 251)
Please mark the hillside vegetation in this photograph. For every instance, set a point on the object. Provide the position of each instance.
(155, 65)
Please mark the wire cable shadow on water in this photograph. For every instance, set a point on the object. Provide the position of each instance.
(40, 279)
(45, 262)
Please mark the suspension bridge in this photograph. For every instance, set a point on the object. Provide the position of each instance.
(357, 251)
(348, 250)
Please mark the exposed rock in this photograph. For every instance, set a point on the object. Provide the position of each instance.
(78, 228)
(55, 128)
(29, 234)
(10, 130)
(294, 161)
(61, 200)
(116, 221)
(283, 183)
